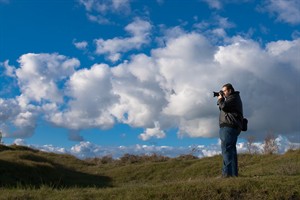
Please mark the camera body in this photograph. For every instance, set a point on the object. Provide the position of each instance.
(216, 94)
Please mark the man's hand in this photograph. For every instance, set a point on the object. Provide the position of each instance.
(220, 96)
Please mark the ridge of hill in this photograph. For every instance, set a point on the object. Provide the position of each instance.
(27, 173)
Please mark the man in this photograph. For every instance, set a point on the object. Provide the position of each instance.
(230, 121)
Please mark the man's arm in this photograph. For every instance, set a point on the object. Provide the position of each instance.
(227, 105)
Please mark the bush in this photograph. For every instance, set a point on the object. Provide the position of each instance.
(129, 158)
(99, 161)
(187, 157)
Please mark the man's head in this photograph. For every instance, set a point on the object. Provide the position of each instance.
(227, 89)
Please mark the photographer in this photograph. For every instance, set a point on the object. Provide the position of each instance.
(230, 121)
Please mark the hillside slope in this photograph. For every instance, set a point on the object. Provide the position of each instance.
(31, 174)
(23, 166)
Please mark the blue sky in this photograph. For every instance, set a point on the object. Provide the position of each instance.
(80, 75)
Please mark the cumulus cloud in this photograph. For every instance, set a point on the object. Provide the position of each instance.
(186, 66)
(193, 73)
(86, 148)
(17, 118)
(140, 35)
(90, 93)
(39, 75)
(259, 70)
(141, 97)
(169, 88)
(153, 132)
(286, 11)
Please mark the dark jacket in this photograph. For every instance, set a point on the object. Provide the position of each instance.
(231, 111)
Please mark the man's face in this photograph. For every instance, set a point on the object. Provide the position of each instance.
(226, 91)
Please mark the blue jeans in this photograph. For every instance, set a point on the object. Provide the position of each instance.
(228, 138)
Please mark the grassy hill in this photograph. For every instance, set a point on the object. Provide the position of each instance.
(31, 174)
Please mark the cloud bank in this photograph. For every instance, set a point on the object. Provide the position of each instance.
(86, 149)
(169, 88)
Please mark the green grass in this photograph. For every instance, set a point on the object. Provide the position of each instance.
(30, 174)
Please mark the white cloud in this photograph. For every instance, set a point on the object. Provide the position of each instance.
(45, 148)
(99, 10)
(17, 120)
(51, 148)
(20, 142)
(86, 149)
(91, 95)
(215, 29)
(39, 74)
(8, 69)
(286, 10)
(153, 132)
(286, 51)
(106, 6)
(170, 88)
(185, 64)
(120, 4)
(141, 97)
(90, 150)
(140, 35)
(198, 127)
(193, 73)
(258, 71)
(223, 22)
(80, 45)
(98, 19)
(38, 77)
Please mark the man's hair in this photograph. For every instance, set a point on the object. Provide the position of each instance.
(229, 87)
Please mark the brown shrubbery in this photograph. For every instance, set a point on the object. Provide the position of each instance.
(128, 159)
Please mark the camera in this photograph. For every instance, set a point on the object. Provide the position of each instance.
(216, 94)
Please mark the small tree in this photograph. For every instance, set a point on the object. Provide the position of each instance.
(252, 149)
(270, 144)
(194, 149)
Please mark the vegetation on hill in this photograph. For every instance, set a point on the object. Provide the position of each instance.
(26, 173)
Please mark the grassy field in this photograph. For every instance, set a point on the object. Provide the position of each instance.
(31, 174)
